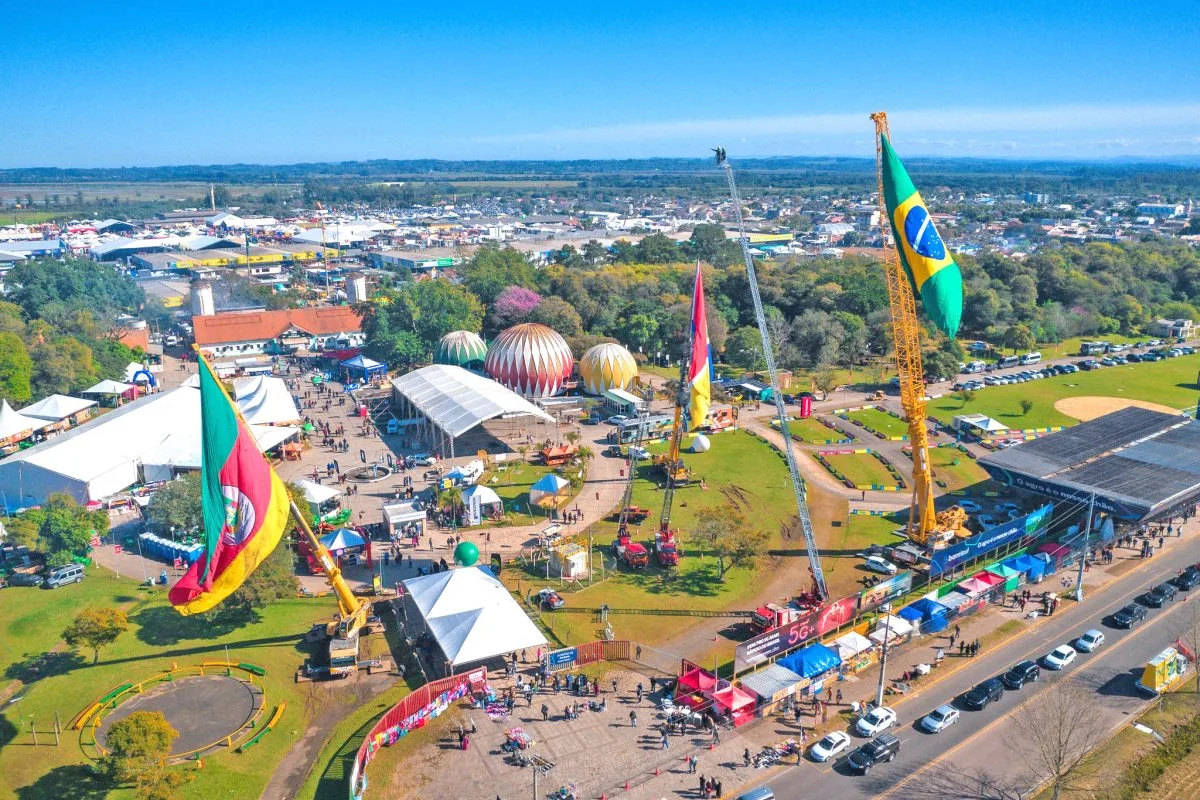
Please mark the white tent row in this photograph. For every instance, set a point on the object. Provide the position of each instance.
(149, 439)
(471, 615)
(891, 628)
(14, 423)
(57, 407)
(456, 400)
(265, 400)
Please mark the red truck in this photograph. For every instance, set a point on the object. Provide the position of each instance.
(666, 550)
(771, 616)
(632, 553)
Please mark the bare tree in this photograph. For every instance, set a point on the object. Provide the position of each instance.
(1055, 734)
(948, 782)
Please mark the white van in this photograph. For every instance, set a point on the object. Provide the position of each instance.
(1030, 358)
(72, 573)
(975, 367)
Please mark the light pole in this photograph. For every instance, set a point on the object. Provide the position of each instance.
(887, 632)
(1087, 531)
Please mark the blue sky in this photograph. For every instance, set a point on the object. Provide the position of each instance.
(167, 83)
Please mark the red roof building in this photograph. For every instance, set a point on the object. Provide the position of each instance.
(248, 332)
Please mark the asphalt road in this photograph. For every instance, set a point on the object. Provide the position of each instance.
(983, 740)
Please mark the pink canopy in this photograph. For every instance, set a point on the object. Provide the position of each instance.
(732, 698)
(988, 578)
(1054, 550)
(694, 686)
(973, 586)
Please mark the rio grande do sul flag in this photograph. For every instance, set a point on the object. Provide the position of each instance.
(699, 382)
(931, 268)
(245, 504)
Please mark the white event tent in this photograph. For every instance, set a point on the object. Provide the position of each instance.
(471, 615)
(265, 400)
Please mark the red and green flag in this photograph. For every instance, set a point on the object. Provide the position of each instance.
(931, 268)
(245, 504)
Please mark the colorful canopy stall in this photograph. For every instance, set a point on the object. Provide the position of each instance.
(363, 368)
(811, 661)
(1049, 563)
(342, 541)
(962, 603)
(1009, 576)
(550, 491)
(694, 687)
(1032, 568)
(773, 684)
(856, 651)
(973, 586)
(735, 704)
(1055, 554)
(930, 615)
(989, 578)
(324, 502)
(894, 629)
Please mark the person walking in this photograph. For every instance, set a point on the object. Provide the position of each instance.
(746, 757)
(640, 691)
(664, 742)
(633, 718)
(956, 631)
(716, 735)
(545, 712)
(839, 697)
(692, 761)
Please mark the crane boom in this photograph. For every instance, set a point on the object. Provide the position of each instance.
(906, 335)
(819, 591)
(639, 432)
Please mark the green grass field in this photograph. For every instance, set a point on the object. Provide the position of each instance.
(31, 621)
(1171, 382)
(735, 460)
(862, 469)
(958, 475)
(813, 432)
(512, 485)
(862, 530)
(883, 422)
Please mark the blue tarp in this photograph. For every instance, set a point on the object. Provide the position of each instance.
(366, 366)
(342, 539)
(1050, 563)
(930, 615)
(1033, 568)
(811, 661)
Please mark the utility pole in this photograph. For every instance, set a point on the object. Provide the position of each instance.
(887, 632)
(1087, 532)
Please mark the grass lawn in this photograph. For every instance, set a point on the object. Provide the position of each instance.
(1171, 382)
(813, 432)
(862, 530)
(512, 485)
(862, 468)
(31, 621)
(955, 475)
(735, 460)
(883, 422)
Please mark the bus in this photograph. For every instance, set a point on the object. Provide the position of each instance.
(654, 426)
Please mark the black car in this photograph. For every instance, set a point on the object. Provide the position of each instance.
(984, 693)
(1188, 579)
(1166, 590)
(1129, 616)
(884, 747)
(1021, 674)
(25, 579)
(1133, 358)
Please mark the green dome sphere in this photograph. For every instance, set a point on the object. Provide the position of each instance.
(466, 554)
(461, 349)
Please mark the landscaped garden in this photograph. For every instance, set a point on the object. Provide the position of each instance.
(953, 469)
(861, 469)
(876, 420)
(812, 431)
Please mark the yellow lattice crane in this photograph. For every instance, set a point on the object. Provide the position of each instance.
(922, 520)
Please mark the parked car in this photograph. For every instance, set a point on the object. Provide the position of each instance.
(617, 419)
(62, 576)
(986, 520)
(422, 459)
(25, 579)
(1188, 579)
(1090, 641)
(1021, 673)
(551, 598)
(939, 719)
(638, 453)
(831, 746)
(1133, 358)
(881, 749)
(970, 506)
(875, 721)
(880, 565)
(979, 697)
(1060, 657)
(1129, 616)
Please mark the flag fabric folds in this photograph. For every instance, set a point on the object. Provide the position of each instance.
(931, 268)
(700, 365)
(245, 505)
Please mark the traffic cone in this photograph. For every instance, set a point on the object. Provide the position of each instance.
(710, 745)
(656, 772)
(627, 786)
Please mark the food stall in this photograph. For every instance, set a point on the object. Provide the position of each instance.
(894, 629)
(856, 651)
(772, 685)
(693, 688)
(1009, 576)
(734, 704)
(1163, 672)
(929, 615)
(816, 662)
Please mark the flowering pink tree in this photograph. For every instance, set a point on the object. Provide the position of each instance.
(513, 305)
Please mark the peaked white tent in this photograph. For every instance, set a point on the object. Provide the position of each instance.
(264, 400)
(316, 492)
(471, 615)
(15, 425)
(57, 407)
(109, 387)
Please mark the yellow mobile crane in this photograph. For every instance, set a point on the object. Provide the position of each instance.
(924, 523)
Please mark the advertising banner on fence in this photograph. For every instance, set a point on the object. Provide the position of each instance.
(560, 659)
(885, 592)
(835, 615)
(772, 643)
(1029, 525)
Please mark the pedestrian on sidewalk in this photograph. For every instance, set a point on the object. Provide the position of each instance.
(614, 685)
(640, 690)
(952, 641)
(633, 718)
(702, 783)
(716, 735)
(717, 786)
(839, 697)
(692, 761)
(746, 757)
(665, 743)
(956, 631)
(546, 712)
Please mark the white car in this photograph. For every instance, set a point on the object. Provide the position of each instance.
(880, 565)
(829, 747)
(422, 459)
(939, 719)
(617, 419)
(875, 721)
(970, 506)
(638, 453)
(1059, 657)
(1090, 641)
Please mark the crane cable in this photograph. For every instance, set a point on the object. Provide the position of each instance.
(814, 557)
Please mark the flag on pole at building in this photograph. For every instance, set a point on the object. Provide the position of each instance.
(245, 505)
(931, 268)
(700, 366)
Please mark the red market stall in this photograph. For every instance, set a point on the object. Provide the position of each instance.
(734, 703)
(989, 578)
(694, 688)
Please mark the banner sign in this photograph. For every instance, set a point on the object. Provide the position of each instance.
(885, 591)
(835, 615)
(562, 658)
(772, 643)
(1048, 488)
(1029, 525)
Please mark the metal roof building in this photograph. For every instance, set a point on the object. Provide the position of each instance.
(1141, 464)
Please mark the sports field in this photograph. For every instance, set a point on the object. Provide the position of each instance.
(862, 469)
(1171, 383)
(60, 681)
(881, 421)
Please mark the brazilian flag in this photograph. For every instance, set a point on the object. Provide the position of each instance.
(930, 266)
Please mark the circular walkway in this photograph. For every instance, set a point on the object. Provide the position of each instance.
(204, 710)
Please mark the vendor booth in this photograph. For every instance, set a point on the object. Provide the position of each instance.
(1163, 672)
(929, 615)
(960, 603)
(345, 544)
(15, 428)
(404, 518)
(856, 651)
(693, 688)
(117, 391)
(815, 662)
(361, 368)
(1009, 577)
(894, 629)
(550, 491)
(481, 504)
(466, 474)
(772, 685)
(973, 586)
(734, 704)
(1029, 567)
(324, 503)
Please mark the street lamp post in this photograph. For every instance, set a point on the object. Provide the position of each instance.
(887, 632)
(1087, 531)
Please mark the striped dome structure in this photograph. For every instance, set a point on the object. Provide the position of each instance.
(461, 349)
(530, 359)
(607, 366)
